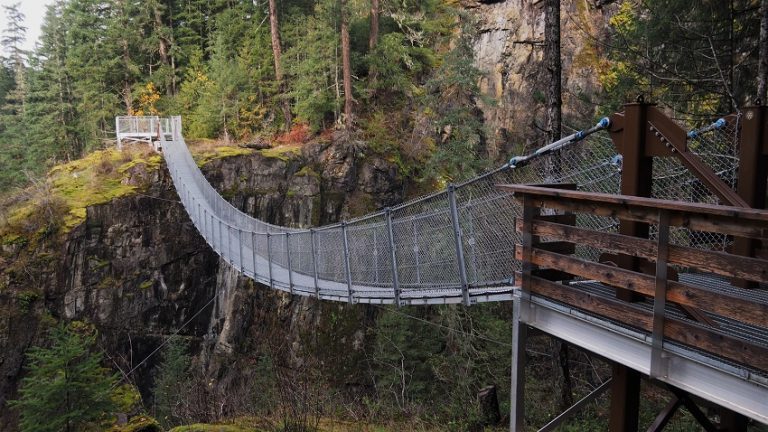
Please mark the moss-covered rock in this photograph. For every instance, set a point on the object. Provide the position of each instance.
(138, 424)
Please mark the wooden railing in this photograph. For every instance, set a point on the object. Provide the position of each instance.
(546, 263)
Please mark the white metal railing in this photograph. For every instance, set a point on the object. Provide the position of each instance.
(140, 128)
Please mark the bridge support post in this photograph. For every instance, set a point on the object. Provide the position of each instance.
(517, 388)
(393, 254)
(312, 239)
(347, 267)
(459, 244)
(288, 260)
(269, 260)
(636, 180)
(753, 172)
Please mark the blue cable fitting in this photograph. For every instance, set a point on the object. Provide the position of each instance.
(693, 134)
(515, 160)
(604, 122)
(720, 123)
(617, 161)
(579, 136)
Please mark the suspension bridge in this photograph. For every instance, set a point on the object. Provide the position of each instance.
(634, 239)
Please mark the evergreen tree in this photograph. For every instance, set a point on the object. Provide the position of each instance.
(66, 388)
(694, 57)
(13, 111)
(452, 102)
(171, 383)
(53, 105)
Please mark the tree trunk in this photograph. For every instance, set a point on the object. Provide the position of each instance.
(277, 51)
(373, 38)
(346, 66)
(554, 68)
(762, 65)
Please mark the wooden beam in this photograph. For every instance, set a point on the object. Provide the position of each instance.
(694, 335)
(640, 202)
(716, 262)
(668, 135)
(723, 304)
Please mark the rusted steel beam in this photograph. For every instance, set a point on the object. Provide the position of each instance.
(670, 140)
(753, 172)
(636, 179)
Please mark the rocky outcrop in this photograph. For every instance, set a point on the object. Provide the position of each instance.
(139, 271)
(509, 49)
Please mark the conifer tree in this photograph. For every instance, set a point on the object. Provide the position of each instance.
(171, 383)
(66, 388)
(13, 107)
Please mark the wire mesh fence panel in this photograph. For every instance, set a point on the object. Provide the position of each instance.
(487, 219)
(301, 252)
(429, 258)
(369, 252)
(330, 254)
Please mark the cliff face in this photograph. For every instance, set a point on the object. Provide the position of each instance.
(138, 270)
(509, 51)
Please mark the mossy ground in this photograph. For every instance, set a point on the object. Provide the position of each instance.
(59, 201)
(205, 151)
(282, 152)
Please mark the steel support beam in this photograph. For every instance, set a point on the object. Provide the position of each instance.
(517, 387)
(393, 254)
(734, 390)
(347, 267)
(459, 244)
(288, 260)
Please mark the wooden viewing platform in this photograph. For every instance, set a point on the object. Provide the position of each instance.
(692, 328)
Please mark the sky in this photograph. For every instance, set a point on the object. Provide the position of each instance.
(34, 11)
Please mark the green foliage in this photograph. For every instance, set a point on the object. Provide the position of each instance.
(172, 382)
(313, 71)
(452, 107)
(66, 387)
(699, 65)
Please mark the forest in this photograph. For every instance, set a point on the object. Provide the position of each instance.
(399, 77)
(400, 81)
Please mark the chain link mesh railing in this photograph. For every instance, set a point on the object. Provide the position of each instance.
(457, 245)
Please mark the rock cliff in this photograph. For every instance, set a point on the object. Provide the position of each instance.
(139, 271)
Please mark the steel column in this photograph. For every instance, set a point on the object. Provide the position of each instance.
(347, 267)
(288, 258)
(517, 387)
(240, 248)
(312, 239)
(416, 251)
(229, 245)
(375, 258)
(269, 260)
(253, 255)
(459, 246)
(393, 254)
